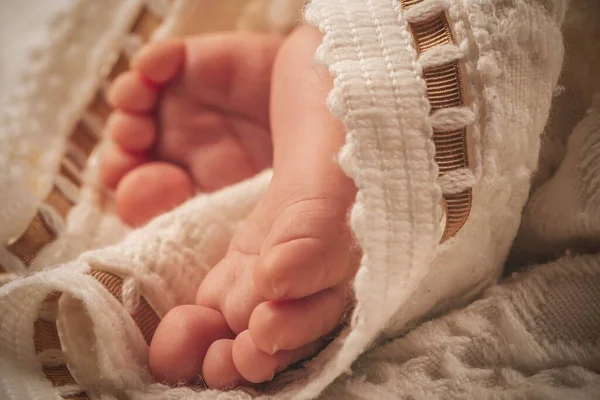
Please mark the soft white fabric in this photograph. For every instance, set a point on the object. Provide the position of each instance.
(59, 81)
(512, 54)
(506, 75)
(565, 211)
(25, 20)
(562, 214)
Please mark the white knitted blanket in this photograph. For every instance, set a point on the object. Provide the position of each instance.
(450, 108)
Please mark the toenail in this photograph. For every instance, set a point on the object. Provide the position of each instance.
(279, 286)
(279, 289)
(271, 378)
(270, 279)
(275, 349)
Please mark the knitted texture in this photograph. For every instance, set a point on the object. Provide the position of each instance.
(395, 217)
(55, 87)
(156, 260)
(562, 212)
(534, 336)
(510, 66)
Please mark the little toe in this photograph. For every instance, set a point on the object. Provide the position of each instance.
(150, 190)
(218, 369)
(257, 366)
(116, 163)
(182, 340)
(161, 61)
(291, 324)
(254, 365)
(132, 92)
(134, 133)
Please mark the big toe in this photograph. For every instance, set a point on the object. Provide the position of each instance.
(151, 189)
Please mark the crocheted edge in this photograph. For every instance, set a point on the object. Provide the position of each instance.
(391, 262)
(440, 58)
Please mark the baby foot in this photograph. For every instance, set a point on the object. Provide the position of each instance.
(190, 115)
(283, 286)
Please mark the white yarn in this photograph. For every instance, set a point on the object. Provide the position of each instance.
(132, 44)
(68, 189)
(425, 10)
(48, 311)
(72, 168)
(52, 218)
(10, 262)
(386, 158)
(130, 295)
(69, 390)
(440, 55)
(507, 144)
(451, 118)
(75, 159)
(6, 278)
(51, 358)
(94, 124)
(456, 181)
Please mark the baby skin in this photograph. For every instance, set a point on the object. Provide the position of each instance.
(201, 113)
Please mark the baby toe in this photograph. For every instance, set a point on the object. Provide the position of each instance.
(254, 365)
(150, 190)
(182, 340)
(132, 92)
(134, 133)
(218, 369)
(116, 163)
(257, 366)
(160, 61)
(291, 324)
